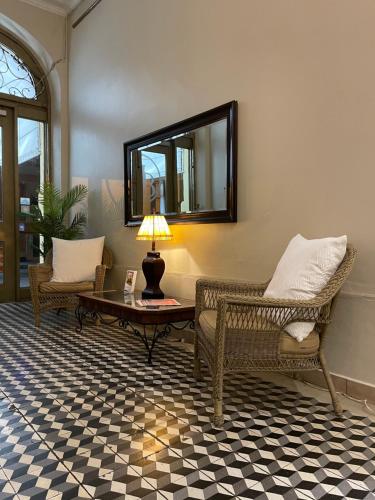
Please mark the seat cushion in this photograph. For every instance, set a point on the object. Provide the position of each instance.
(288, 345)
(292, 347)
(57, 287)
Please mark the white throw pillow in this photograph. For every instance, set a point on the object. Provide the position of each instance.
(76, 260)
(303, 271)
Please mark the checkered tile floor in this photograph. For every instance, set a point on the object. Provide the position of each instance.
(84, 416)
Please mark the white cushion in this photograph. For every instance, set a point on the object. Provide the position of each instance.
(76, 260)
(303, 271)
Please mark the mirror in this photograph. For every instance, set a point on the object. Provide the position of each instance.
(186, 171)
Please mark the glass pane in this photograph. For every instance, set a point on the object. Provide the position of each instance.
(1, 174)
(1, 262)
(31, 164)
(154, 177)
(29, 254)
(149, 173)
(184, 184)
(15, 77)
(186, 173)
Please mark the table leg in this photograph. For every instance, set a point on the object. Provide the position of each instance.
(157, 334)
(149, 341)
(153, 342)
(80, 315)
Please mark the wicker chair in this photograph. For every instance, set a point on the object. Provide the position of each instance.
(47, 294)
(239, 330)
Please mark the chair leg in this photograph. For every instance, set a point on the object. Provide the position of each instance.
(197, 362)
(218, 419)
(335, 399)
(37, 319)
(197, 369)
(217, 396)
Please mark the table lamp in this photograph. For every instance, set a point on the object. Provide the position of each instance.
(153, 228)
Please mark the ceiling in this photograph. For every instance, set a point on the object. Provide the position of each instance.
(61, 7)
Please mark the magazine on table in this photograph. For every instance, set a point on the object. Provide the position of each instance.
(158, 302)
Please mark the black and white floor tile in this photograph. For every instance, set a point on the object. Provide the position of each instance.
(82, 415)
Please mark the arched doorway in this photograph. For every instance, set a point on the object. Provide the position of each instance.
(24, 162)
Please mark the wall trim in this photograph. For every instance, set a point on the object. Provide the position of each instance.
(44, 5)
(358, 295)
(351, 387)
(86, 13)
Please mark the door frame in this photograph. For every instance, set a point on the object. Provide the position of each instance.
(18, 110)
(34, 109)
(8, 236)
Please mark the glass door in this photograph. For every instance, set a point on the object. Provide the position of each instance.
(7, 208)
(31, 146)
(22, 172)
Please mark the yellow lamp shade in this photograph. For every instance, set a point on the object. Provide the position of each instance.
(154, 227)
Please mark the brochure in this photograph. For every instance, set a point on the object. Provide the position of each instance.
(158, 302)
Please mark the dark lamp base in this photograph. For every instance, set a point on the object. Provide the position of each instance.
(153, 267)
(152, 294)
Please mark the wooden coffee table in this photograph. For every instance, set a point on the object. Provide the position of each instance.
(148, 323)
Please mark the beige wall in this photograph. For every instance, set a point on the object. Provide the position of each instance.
(304, 76)
(44, 34)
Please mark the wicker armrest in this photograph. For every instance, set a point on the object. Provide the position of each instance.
(261, 301)
(100, 271)
(99, 277)
(107, 258)
(39, 273)
(259, 313)
(208, 291)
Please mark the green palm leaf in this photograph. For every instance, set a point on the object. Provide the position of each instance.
(73, 196)
(49, 218)
(50, 200)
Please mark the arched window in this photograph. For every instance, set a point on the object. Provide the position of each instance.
(21, 76)
(24, 161)
(15, 77)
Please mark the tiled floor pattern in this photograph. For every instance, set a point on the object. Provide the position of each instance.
(84, 416)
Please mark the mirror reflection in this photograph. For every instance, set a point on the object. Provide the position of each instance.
(185, 173)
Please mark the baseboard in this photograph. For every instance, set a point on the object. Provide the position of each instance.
(353, 388)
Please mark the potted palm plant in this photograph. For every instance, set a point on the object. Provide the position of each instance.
(50, 218)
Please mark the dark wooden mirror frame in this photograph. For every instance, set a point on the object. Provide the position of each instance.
(226, 111)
